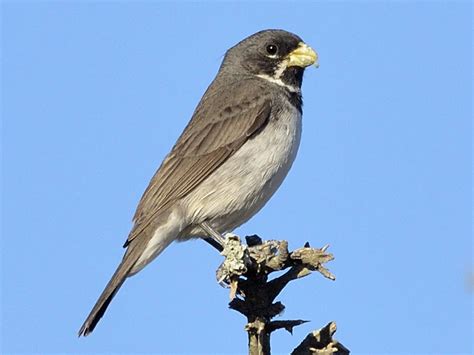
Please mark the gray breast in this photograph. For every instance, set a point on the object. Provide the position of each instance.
(247, 180)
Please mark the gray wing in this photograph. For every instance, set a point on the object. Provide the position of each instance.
(221, 124)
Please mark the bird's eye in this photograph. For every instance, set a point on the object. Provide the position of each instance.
(272, 49)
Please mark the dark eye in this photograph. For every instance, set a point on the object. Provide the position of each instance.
(272, 49)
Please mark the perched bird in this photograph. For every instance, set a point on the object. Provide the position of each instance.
(230, 159)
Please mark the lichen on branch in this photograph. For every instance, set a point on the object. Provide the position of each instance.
(246, 270)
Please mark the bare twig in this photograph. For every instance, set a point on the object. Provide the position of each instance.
(320, 342)
(246, 271)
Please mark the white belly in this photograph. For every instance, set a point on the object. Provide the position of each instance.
(247, 180)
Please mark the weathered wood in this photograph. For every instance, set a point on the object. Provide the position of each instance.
(321, 342)
(246, 271)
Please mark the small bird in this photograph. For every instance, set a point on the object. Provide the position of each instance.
(230, 159)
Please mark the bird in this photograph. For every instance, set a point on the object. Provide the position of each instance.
(230, 159)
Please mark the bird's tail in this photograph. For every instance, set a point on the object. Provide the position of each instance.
(140, 252)
(108, 294)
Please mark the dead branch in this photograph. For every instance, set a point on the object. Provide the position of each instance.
(320, 342)
(246, 271)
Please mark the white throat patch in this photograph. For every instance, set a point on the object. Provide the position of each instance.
(277, 79)
(280, 83)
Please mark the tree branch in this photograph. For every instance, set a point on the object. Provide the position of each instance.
(320, 342)
(246, 270)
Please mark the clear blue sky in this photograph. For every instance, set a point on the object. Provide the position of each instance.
(94, 94)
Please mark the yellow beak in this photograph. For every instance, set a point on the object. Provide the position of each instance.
(303, 56)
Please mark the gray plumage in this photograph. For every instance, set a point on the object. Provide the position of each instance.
(229, 160)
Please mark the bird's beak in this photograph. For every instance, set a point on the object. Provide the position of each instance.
(303, 56)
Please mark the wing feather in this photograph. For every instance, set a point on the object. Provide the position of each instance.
(214, 133)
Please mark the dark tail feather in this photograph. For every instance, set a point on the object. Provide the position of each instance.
(107, 295)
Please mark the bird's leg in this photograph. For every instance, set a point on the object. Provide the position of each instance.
(213, 243)
(214, 238)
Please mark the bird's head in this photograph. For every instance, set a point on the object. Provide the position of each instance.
(273, 54)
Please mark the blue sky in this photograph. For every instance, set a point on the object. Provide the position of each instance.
(94, 94)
